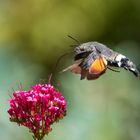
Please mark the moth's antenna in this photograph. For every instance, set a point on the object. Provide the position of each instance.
(74, 39)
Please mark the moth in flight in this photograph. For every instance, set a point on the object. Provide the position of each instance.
(92, 59)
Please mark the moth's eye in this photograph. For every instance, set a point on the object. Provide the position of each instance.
(82, 49)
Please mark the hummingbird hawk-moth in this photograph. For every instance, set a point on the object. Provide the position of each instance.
(92, 59)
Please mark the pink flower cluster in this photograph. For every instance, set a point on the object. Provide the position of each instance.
(37, 108)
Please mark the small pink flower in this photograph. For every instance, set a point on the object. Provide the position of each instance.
(37, 108)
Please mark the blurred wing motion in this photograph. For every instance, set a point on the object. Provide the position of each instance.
(92, 60)
(75, 68)
(91, 72)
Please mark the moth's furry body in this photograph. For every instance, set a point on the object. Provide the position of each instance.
(92, 60)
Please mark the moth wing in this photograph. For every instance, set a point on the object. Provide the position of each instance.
(93, 76)
(98, 66)
(75, 68)
(95, 63)
(84, 74)
(87, 62)
(89, 65)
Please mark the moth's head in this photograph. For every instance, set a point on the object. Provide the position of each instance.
(84, 47)
(83, 50)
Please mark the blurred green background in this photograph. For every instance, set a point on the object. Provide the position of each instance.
(33, 34)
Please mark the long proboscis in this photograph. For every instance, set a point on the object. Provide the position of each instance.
(52, 75)
(59, 59)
